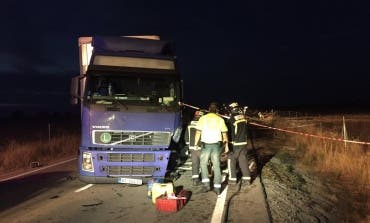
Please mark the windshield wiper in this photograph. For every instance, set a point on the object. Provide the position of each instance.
(119, 102)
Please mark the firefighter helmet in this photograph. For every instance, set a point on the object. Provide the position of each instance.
(235, 109)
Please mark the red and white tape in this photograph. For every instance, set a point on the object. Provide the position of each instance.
(289, 131)
(310, 135)
(197, 108)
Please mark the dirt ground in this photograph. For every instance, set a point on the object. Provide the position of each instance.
(296, 194)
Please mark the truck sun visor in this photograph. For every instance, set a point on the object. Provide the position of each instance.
(148, 63)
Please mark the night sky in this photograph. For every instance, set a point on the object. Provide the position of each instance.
(261, 53)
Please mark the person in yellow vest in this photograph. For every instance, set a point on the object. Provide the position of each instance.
(212, 132)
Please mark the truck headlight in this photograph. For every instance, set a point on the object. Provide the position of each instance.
(87, 163)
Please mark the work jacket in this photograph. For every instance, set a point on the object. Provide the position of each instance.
(239, 131)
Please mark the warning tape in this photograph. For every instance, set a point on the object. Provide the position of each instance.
(197, 108)
(288, 131)
(187, 105)
(310, 135)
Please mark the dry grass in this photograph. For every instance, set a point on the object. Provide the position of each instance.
(19, 154)
(350, 163)
(348, 166)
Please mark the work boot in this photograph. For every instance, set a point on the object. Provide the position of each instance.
(206, 187)
(196, 182)
(246, 182)
(232, 182)
(217, 190)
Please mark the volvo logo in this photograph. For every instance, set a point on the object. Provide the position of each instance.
(132, 137)
(105, 137)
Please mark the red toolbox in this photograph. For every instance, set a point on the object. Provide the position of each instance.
(171, 203)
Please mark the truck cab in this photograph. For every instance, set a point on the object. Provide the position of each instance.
(129, 89)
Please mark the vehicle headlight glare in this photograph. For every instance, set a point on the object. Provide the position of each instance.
(87, 163)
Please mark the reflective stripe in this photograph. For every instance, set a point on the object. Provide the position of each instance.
(229, 166)
(252, 165)
(232, 179)
(194, 147)
(236, 128)
(205, 180)
(246, 178)
(217, 185)
(195, 176)
(236, 124)
(240, 117)
(223, 178)
(239, 143)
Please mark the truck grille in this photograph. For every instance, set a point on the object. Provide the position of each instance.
(131, 157)
(130, 170)
(106, 137)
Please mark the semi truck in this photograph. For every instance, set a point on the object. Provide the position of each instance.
(129, 89)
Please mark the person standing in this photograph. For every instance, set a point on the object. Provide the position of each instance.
(211, 131)
(239, 155)
(194, 148)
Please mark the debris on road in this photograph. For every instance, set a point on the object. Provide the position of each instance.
(35, 164)
(96, 203)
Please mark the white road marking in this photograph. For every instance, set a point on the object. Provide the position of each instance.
(84, 188)
(219, 207)
(34, 171)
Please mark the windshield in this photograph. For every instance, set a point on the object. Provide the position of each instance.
(133, 90)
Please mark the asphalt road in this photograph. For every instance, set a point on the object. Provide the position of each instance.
(56, 195)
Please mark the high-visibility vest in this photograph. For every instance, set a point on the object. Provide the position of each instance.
(190, 135)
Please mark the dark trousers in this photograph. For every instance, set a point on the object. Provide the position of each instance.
(239, 156)
(195, 163)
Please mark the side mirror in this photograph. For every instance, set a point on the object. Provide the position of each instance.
(181, 90)
(75, 82)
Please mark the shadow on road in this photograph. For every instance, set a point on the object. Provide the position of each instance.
(16, 191)
(259, 149)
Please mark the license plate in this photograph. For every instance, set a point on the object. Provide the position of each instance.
(130, 181)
